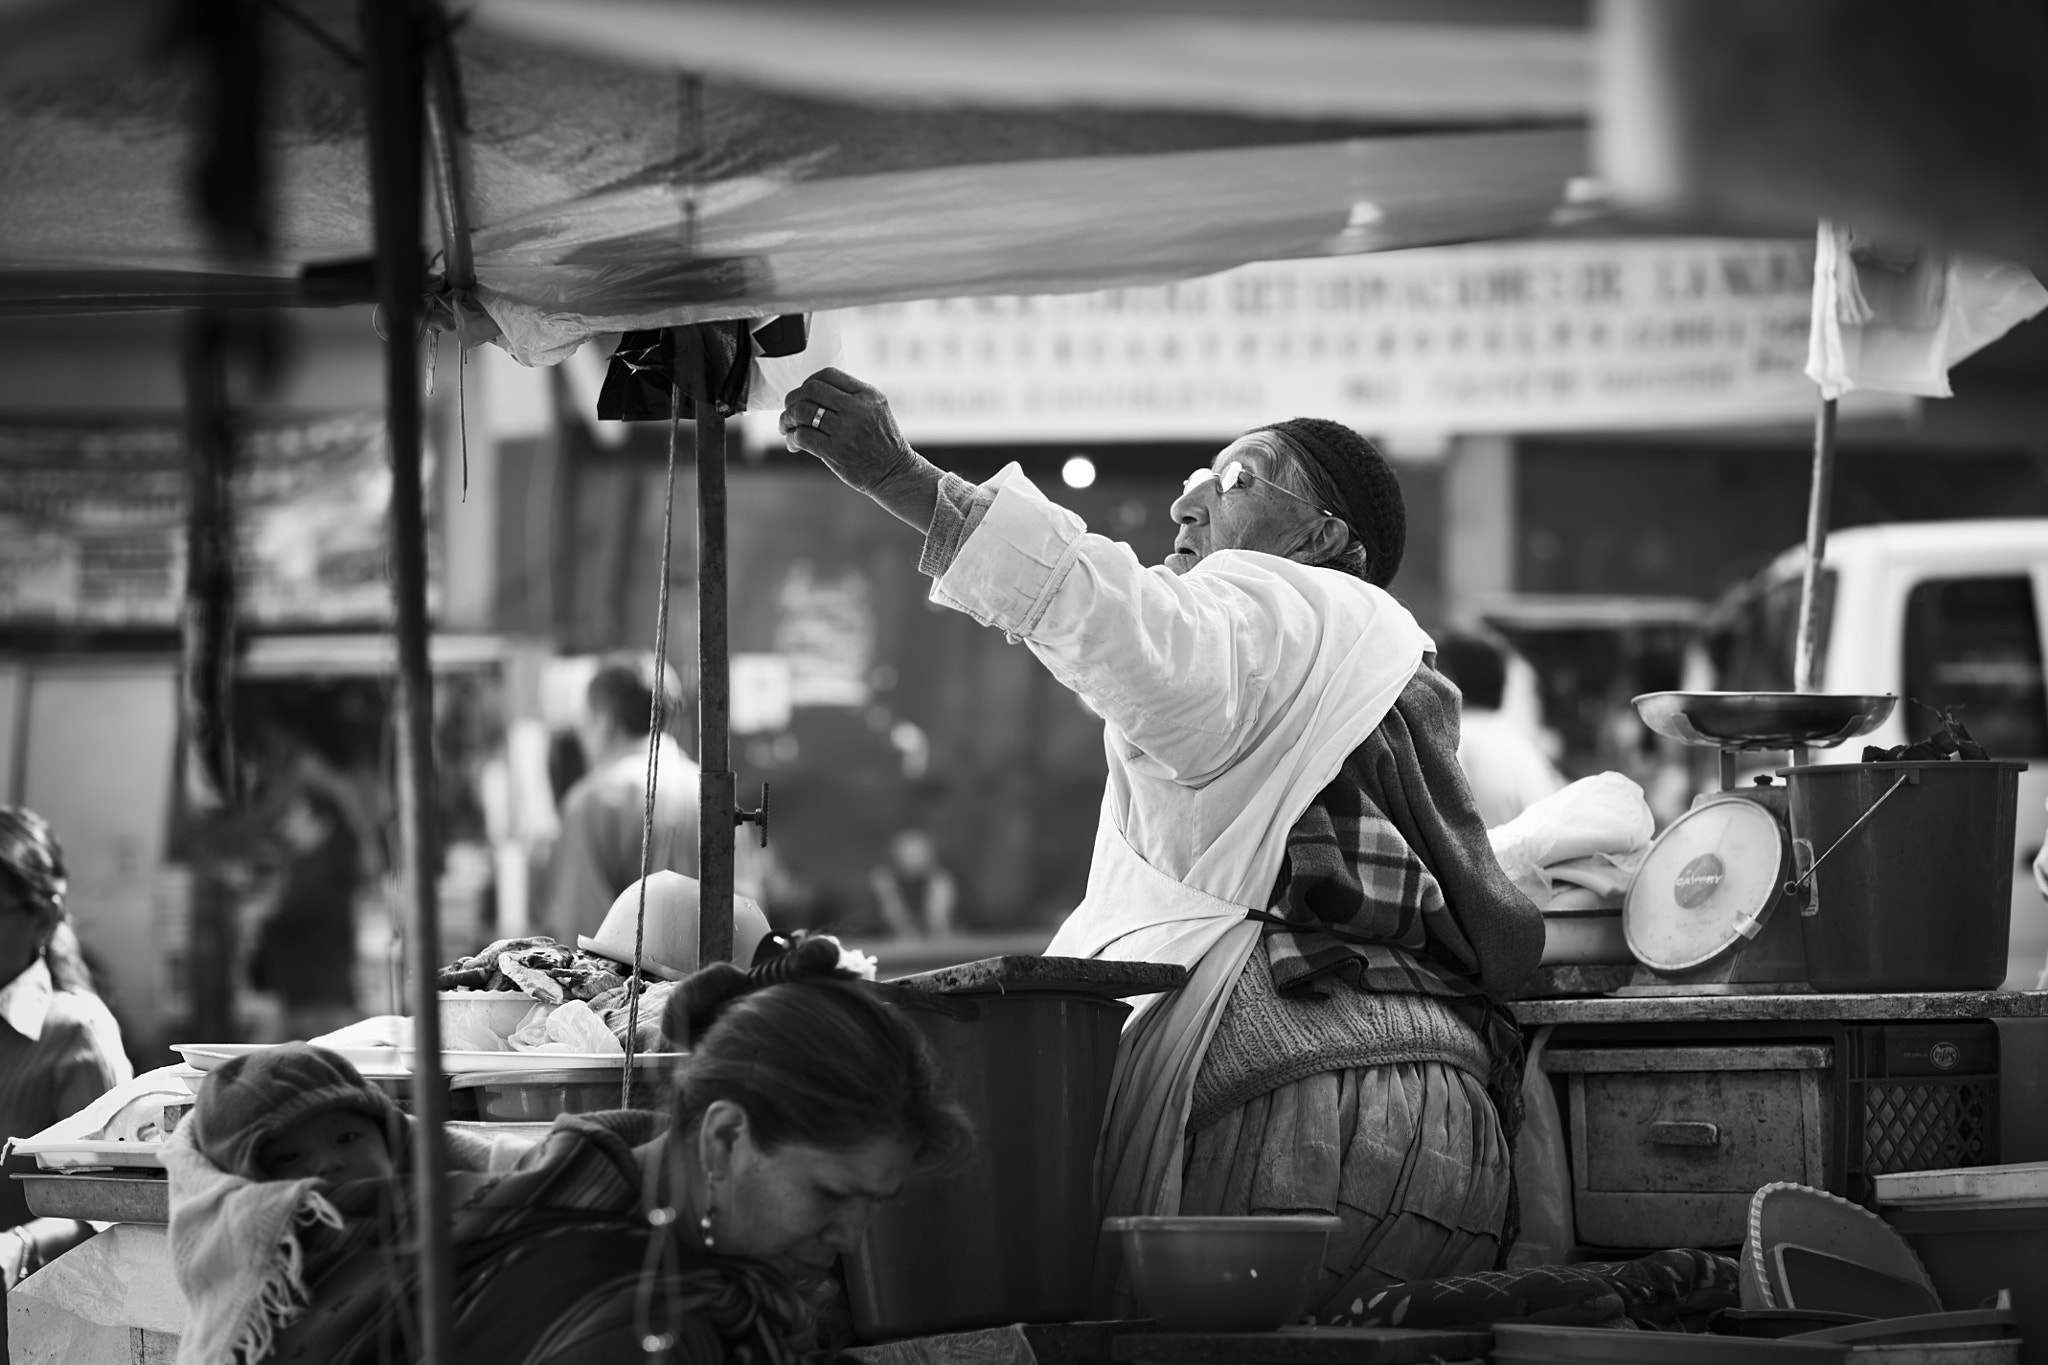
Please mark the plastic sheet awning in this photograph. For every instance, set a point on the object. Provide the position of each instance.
(639, 163)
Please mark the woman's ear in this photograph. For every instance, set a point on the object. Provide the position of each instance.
(718, 1136)
(1327, 540)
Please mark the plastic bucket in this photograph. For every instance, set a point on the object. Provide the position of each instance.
(1009, 1236)
(1918, 897)
(1973, 1250)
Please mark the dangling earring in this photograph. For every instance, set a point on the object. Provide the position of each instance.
(704, 1223)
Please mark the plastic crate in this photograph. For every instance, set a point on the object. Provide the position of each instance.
(1915, 1097)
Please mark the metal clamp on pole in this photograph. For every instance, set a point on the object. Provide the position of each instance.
(742, 816)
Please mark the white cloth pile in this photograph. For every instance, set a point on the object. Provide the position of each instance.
(1577, 849)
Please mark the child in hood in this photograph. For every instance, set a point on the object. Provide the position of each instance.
(294, 1113)
(289, 1163)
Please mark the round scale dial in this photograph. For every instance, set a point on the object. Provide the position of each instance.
(1707, 882)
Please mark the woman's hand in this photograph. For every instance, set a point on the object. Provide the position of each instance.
(847, 425)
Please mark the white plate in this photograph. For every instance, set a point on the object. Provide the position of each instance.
(371, 1061)
(387, 1062)
(455, 1063)
(73, 1143)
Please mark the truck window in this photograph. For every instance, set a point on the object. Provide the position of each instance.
(1754, 631)
(1973, 645)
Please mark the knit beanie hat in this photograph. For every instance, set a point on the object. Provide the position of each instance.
(1368, 494)
(255, 1096)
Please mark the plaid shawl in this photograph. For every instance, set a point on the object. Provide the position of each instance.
(1390, 882)
(1390, 885)
(554, 1263)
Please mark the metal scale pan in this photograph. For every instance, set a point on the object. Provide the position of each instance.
(1699, 914)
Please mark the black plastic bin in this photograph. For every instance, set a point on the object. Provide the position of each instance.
(1009, 1236)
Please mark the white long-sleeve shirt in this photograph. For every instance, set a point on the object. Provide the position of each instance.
(1232, 693)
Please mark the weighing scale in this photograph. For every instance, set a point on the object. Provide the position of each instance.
(1700, 914)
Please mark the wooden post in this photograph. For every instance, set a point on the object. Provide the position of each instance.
(714, 668)
(1806, 653)
(395, 74)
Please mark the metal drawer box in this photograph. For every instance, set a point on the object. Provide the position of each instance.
(1670, 1143)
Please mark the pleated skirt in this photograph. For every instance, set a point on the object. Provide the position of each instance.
(1409, 1156)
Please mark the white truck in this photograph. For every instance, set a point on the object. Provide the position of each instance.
(1948, 613)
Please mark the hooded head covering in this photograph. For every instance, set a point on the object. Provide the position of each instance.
(1368, 495)
(253, 1097)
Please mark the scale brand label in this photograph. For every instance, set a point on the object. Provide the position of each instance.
(1945, 1056)
(1697, 881)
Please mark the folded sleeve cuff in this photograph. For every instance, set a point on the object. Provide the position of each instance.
(1008, 563)
(960, 508)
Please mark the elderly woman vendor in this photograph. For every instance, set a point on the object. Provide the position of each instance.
(1284, 815)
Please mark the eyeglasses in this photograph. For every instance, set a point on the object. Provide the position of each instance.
(1235, 475)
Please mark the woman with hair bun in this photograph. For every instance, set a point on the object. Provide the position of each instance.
(60, 1048)
(691, 1236)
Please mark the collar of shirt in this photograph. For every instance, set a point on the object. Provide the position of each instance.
(25, 1001)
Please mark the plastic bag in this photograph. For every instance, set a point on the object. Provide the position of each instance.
(465, 1034)
(1543, 1174)
(569, 1027)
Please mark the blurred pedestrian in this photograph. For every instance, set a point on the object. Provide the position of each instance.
(598, 853)
(913, 889)
(1502, 763)
(306, 948)
(60, 1048)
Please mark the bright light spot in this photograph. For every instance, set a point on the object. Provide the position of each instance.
(1078, 471)
(1364, 214)
(1584, 189)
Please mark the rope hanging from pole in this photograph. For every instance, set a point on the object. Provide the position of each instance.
(654, 730)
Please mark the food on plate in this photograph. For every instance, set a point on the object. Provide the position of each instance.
(614, 1007)
(556, 977)
(538, 966)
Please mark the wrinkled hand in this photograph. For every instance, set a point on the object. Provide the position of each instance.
(848, 426)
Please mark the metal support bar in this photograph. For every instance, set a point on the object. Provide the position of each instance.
(206, 668)
(715, 833)
(392, 50)
(1820, 498)
(451, 166)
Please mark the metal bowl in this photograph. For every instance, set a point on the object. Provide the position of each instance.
(1762, 720)
(543, 1096)
(1249, 1274)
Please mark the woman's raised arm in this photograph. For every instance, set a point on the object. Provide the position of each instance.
(1180, 665)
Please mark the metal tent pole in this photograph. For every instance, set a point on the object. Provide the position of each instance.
(714, 670)
(395, 73)
(1820, 498)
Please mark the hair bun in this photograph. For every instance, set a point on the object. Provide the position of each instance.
(809, 957)
(700, 996)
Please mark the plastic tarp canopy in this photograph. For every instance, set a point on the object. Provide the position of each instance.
(642, 163)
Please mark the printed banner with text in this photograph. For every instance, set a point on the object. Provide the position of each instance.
(1532, 336)
(92, 523)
